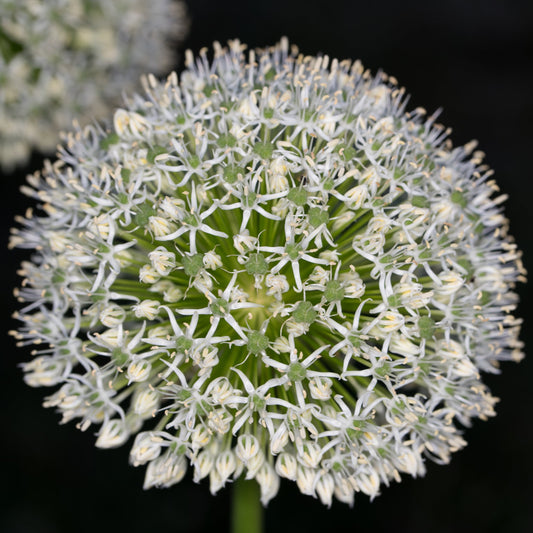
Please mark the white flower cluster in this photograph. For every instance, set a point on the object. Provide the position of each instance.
(71, 59)
(270, 269)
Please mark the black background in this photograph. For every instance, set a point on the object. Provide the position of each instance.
(472, 58)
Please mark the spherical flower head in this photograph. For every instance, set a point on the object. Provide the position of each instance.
(270, 269)
(71, 59)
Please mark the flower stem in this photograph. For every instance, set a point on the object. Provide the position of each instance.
(246, 510)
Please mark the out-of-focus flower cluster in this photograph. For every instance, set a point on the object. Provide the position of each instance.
(269, 268)
(71, 59)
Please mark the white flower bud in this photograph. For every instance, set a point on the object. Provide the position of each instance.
(371, 244)
(220, 420)
(110, 337)
(324, 488)
(277, 284)
(268, 481)
(401, 345)
(254, 464)
(172, 295)
(379, 224)
(148, 274)
(442, 211)
(371, 178)
(390, 321)
(248, 107)
(203, 465)
(344, 491)
(277, 183)
(282, 345)
(464, 368)
(102, 226)
(409, 462)
(173, 208)
(368, 483)
(205, 357)
(145, 402)
(68, 398)
(279, 440)
(306, 480)
(145, 448)
(160, 227)
(320, 388)
(278, 165)
(287, 466)
(146, 309)
(159, 332)
(44, 372)
(380, 94)
(225, 464)
(247, 447)
(330, 255)
(451, 283)
(357, 196)
(220, 390)
(244, 242)
(296, 328)
(212, 260)
(139, 371)
(342, 220)
(130, 123)
(165, 471)
(112, 315)
(309, 454)
(320, 275)
(162, 260)
(200, 437)
(449, 349)
(353, 285)
(58, 241)
(216, 482)
(203, 282)
(112, 434)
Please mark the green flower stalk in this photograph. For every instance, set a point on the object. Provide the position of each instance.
(66, 59)
(269, 269)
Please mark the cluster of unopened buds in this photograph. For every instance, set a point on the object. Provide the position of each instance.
(62, 60)
(269, 269)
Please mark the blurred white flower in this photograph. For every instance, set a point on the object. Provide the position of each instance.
(62, 60)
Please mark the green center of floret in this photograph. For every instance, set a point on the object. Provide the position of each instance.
(192, 264)
(256, 264)
(334, 291)
(220, 307)
(304, 312)
(298, 196)
(293, 251)
(257, 342)
(317, 217)
(183, 344)
(296, 372)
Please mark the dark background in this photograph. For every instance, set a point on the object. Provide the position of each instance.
(472, 58)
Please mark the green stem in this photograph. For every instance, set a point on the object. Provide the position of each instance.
(246, 509)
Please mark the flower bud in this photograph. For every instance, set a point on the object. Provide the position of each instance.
(112, 434)
(145, 448)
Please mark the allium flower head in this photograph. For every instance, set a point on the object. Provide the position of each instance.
(270, 269)
(71, 59)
